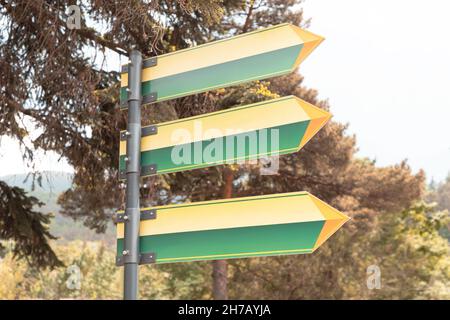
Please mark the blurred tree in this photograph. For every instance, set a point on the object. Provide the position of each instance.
(439, 193)
(190, 280)
(90, 273)
(413, 258)
(28, 228)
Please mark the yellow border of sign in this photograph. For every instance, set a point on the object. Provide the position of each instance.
(259, 253)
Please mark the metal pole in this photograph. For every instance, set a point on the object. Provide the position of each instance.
(132, 213)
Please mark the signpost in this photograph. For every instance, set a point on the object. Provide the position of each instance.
(274, 127)
(288, 223)
(131, 253)
(279, 224)
(251, 56)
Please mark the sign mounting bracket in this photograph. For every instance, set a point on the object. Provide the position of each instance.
(148, 214)
(144, 258)
(147, 63)
(152, 96)
(145, 131)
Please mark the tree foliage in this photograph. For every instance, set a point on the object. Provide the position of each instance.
(48, 79)
(89, 272)
(439, 193)
(28, 228)
(413, 257)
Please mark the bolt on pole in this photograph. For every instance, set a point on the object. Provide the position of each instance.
(133, 167)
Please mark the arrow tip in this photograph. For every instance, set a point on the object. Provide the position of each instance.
(309, 40)
(318, 118)
(334, 220)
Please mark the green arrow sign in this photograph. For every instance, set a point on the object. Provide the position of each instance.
(269, 128)
(279, 224)
(251, 56)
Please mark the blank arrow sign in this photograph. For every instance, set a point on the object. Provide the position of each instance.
(251, 56)
(279, 224)
(274, 127)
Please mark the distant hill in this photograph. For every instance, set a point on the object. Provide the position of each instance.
(53, 183)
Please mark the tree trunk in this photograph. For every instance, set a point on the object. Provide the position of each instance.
(220, 267)
(220, 281)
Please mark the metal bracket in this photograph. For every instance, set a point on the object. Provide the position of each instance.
(148, 170)
(119, 261)
(147, 214)
(123, 135)
(150, 62)
(145, 171)
(145, 131)
(147, 63)
(149, 131)
(124, 105)
(144, 258)
(147, 258)
(150, 98)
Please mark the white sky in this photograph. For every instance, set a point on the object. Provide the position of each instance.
(385, 68)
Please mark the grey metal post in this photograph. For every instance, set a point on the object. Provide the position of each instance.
(133, 168)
